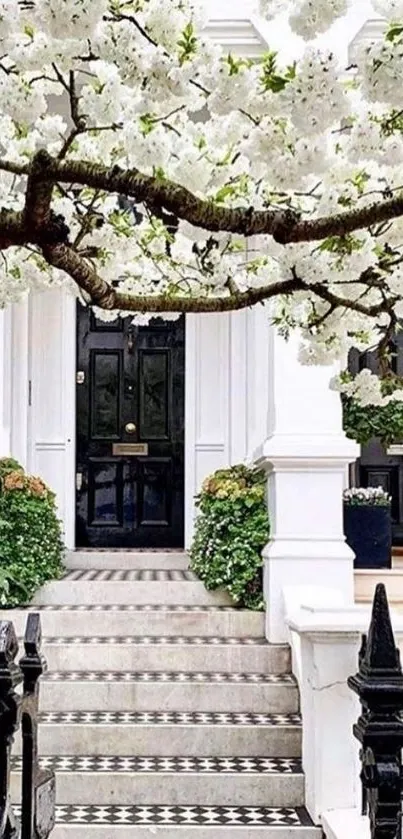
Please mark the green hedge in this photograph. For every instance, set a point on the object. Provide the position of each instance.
(31, 546)
(231, 531)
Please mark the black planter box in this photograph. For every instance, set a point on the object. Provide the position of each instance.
(368, 532)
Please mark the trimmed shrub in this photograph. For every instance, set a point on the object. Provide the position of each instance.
(31, 546)
(231, 531)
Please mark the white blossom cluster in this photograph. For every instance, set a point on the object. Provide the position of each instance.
(152, 92)
(365, 388)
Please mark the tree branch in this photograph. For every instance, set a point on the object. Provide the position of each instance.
(284, 226)
(38, 195)
(63, 256)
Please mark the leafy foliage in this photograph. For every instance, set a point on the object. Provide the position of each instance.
(7, 465)
(31, 547)
(362, 423)
(231, 531)
(6, 581)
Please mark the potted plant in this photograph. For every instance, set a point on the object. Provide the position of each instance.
(367, 526)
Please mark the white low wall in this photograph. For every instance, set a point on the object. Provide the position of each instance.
(325, 637)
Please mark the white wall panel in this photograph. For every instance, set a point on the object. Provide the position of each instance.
(221, 398)
(52, 372)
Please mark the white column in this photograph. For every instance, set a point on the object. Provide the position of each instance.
(305, 455)
(5, 381)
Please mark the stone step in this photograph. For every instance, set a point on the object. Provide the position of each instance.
(172, 588)
(366, 580)
(190, 822)
(190, 692)
(87, 621)
(121, 559)
(170, 734)
(176, 654)
(212, 781)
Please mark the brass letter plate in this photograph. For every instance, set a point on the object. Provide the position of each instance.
(130, 449)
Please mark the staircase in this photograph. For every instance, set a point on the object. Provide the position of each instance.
(164, 712)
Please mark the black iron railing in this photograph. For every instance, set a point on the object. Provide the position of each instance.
(379, 729)
(19, 708)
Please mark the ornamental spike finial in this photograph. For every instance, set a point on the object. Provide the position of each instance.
(380, 649)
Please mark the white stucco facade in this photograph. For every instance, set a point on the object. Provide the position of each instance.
(247, 397)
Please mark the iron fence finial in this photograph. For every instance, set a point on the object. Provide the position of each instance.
(379, 729)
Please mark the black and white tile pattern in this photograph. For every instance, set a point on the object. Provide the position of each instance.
(134, 575)
(169, 765)
(101, 607)
(145, 640)
(150, 676)
(133, 551)
(167, 718)
(190, 816)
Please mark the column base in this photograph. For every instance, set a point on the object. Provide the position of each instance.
(306, 477)
(325, 564)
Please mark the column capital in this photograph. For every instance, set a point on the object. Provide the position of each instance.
(285, 452)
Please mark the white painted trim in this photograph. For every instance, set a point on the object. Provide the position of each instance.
(20, 427)
(69, 409)
(191, 327)
(210, 447)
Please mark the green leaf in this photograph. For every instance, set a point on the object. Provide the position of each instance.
(395, 30)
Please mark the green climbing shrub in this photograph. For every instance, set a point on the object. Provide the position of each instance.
(363, 423)
(231, 530)
(31, 546)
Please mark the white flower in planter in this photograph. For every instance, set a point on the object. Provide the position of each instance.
(366, 496)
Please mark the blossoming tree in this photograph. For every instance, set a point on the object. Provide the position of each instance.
(154, 173)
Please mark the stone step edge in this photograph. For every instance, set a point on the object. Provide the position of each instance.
(184, 677)
(170, 718)
(130, 607)
(171, 766)
(161, 640)
(188, 816)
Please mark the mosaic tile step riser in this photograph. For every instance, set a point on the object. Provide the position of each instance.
(131, 575)
(189, 816)
(167, 765)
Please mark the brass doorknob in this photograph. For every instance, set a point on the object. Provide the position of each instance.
(130, 428)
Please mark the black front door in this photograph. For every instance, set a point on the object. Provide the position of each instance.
(377, 467)
(130, 432)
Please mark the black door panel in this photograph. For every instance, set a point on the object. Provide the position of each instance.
(130, 390)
